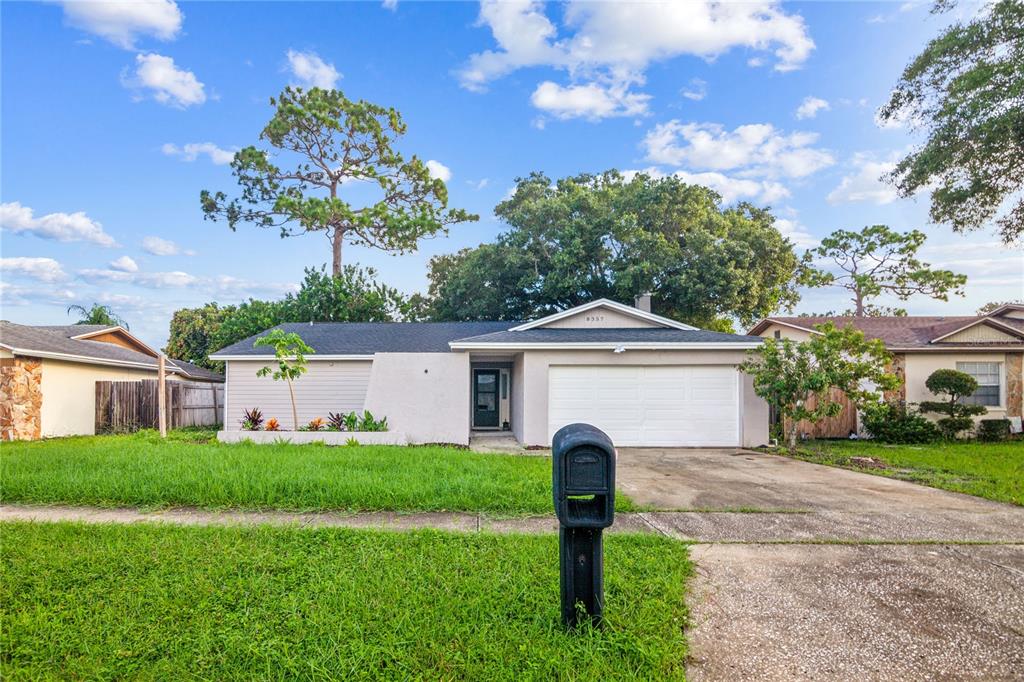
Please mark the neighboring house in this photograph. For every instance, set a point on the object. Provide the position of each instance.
(48, 375)
(643, 378)
(988, 347)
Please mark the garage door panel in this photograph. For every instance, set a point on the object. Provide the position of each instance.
(652, 405)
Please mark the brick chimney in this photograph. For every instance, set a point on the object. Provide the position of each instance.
(643, 302)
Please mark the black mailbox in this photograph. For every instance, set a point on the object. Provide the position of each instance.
(583, 483)
(584, 476)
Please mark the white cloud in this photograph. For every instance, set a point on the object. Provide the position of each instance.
(166, 82)
(42, 269)
(193, 150)
(731, 189)
(810, 107)
(796, 233)
(389, 4)
(865, 183)
(122, 23)
(697, 90)
(312, 71)
(61, 227)
(15, 294)
(611, 44)
(124, 264)
(439, 171)
(163, 247)
(478, 184)
(150, 280)
(590, 101)
(755, 150)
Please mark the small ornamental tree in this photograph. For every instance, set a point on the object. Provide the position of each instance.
(289, 352)
(955, 385)
(796, 378)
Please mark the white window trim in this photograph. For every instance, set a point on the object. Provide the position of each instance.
(1001, 373)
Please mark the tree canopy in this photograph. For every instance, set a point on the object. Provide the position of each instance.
(355, 296)
(966, 92)
(592, 236)
(327, 142)
(875, 261)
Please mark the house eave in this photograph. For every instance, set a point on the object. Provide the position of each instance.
(85, 359)
(1013, 331)
(604, 345)
(309, 358)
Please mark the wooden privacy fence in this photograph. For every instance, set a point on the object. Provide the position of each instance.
(123, 406)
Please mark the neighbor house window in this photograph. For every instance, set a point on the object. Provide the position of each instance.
(987, 375)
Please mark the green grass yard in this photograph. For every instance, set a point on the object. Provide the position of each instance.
(991, 470)
(163, 602)
(189, 470)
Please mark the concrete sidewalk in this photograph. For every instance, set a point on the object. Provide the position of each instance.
(1002, 526)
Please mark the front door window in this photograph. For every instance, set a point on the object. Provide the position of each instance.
(485, 398)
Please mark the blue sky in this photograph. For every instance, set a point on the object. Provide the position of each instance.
(114, 117)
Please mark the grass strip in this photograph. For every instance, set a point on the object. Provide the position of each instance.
(141, 470)
(163, 602)
(994, 471)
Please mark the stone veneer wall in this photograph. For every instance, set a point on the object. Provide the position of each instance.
(21, 398)
(1014, 384)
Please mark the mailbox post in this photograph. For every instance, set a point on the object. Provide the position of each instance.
(583, 477)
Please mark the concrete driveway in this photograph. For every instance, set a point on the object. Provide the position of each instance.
(839, 575)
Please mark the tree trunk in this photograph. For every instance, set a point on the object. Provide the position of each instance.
(295, 411)
(859, 301)
(791, 436)
(336, 241)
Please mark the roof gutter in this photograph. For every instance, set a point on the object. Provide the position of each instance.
(85, 359)
(607, 345)
(309, 358)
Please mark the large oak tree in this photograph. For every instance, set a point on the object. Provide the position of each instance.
(592, 236)
(321, 142)
(966, 92)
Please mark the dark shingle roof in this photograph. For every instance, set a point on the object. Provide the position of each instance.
(195, 371)
(904, 332)
(58, 340)
(367, 338)
(631, 335)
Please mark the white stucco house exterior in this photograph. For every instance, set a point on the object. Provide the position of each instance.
(645, 379)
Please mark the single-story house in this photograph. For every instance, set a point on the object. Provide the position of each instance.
(988, 347)
(645, 379)
(48, 375)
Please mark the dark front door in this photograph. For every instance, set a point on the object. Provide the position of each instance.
(485, 398)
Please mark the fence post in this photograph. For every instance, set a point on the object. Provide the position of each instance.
(161, 395)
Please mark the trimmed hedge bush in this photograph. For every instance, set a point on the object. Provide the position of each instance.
(994, 429)
(893, 422)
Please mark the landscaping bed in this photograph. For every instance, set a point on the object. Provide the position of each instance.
(187, 470)
(152, 601)
(994, 471)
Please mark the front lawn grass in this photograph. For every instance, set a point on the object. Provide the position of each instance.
(239, 603)
(994, 471)
(142, 470)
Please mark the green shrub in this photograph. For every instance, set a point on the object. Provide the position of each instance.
(955, 386)
(994, 429)
(893, 422)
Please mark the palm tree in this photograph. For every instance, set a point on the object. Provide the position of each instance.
(97, 314)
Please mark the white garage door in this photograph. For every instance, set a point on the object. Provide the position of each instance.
(656, 406)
